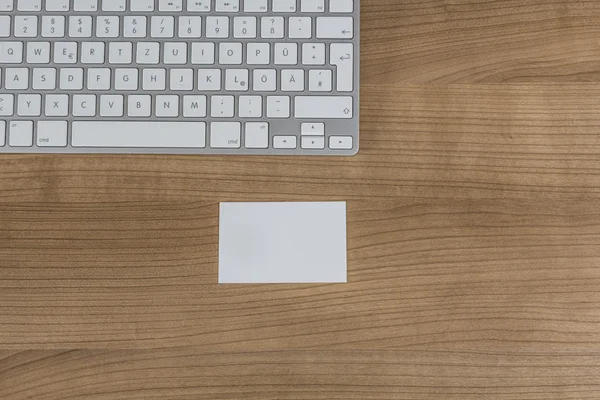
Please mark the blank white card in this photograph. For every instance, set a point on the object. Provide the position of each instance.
(282, 242)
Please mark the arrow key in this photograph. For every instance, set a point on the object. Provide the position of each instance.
(335, 27)
(340, 142)
(284, 142)
(313, 142)
(313, 129)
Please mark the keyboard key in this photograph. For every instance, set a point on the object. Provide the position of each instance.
(26, 26)
(6, 104)
(162, 27)
(320, 80)
(107, 26)
(194, 106)
(313, 142)
(271, 27)
(255, 6)
(250, 106)
(52, 133)
(244, 27)
(340, 142)
(20, 134)
(85, 5)
(16, 78)
(227, 5)
(134, 27)
(286, 53)
(342, 56)
(53, 26)
(312, 129)
(98, 79)
(6, 5)
(230, 53)
(170, 5)
(222, 106)
(29, 5)
(217, 27)
(335, 27)
(278, 107)
(44, 79)
(57, 5)
(29, 105)
(313, 53)
(141, 5)
(139, 134)
(190, 27)
(225, 135)
(113, 5)
(139, 105)
(341, 6)
(284, 6)
(167, 106)
(198, 5)
(11, 52)
(257, 135)
(323, 107)
(56, 105)
(284, 142)
(209, 79)
(236, 80)
(38, 52)
(84, 105)
(258, 54)
(312, 6)
(4, 26)
(292, 80)
(203, 53)
(111, 105)
(265, 80)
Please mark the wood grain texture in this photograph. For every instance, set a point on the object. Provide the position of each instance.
(189, 374)
(473, 236)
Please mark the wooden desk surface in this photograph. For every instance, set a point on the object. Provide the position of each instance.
(473, 234)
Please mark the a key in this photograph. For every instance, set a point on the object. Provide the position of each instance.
(194, 106)
(98, 78)
(85, 5)
(29, 105)
(257, 135)
(170, 5)
(217, 27)
(203, 53)
(265, 80)
(271, 27)
(141, 5)
(56, 105)
(53, 26)
(2, 133)
(209, 79)
(44, 79)
(138, 134)
(313, 53)
(312, 6)
(20, 134)
(278, 107)
(244, 27)
(4, 27)
(250, 106)
(312, 129)
(255, 6)
(292, 80)
(181, 79)
(16, 78)
(342, 56)
(198, 5)
(6, 104)
(111, 106)
(230, 53)
(167, 106)
(284, 142)
(236, 80)
(139, 105)
(107, 26)
(57, 5)
(126, 79)
(6, 5)
(92, 52)
(84, 105)
(80, 26)
(300, 28)
(321, 107)
(175, 53)
(335, 27)
(120, 52)
(38, 52)
(258, 53)
(26, 26)
(225, 135)
(134, 27)
(284, 6)
(11, 52)
(147, 53)
(313, 142)
(222, 106)
(154, 79)
(190, 27)
(227, 5)
(162, 26)
(340, 142)
(320, 80)
(70, 79)
(113, 5)
(286, 53)
(341, 6)
(52, 133)
(29, 5)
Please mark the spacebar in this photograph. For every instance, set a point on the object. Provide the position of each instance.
(138, 134)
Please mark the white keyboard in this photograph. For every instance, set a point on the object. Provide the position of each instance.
(179, 76)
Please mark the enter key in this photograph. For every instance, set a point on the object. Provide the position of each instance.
(342, 56)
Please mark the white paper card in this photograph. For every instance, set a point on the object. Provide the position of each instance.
(282, 242)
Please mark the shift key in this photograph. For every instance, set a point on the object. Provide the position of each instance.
(323, 107)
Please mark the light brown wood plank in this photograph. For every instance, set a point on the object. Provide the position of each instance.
(422, 274)
(186, 374)
(475, 41)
